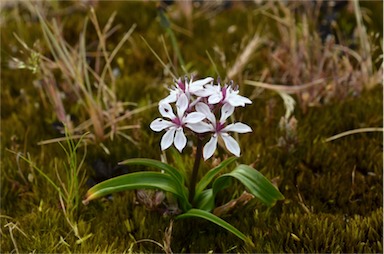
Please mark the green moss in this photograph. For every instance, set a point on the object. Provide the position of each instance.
(333, 190)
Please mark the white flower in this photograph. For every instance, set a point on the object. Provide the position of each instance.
(220, 129)
(175, 127)
(188, 88)
(226, 94)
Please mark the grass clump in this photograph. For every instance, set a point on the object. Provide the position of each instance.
(66, 76)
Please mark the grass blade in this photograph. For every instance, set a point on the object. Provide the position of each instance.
(158, 58)
(164, 21)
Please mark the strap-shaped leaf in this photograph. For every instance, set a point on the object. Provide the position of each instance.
(206, 200)
(218, 221)
(178, 162)
(254, 181)
(139, 180)
(156, 164)
(173, 172)
(208, 177)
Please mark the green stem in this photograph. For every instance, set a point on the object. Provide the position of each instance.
(164, 21)
(199, 154)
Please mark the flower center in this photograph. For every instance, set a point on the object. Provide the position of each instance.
(219, 126)
(177, 122)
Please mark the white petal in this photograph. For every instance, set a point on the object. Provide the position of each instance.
(160, 124)
(193, 103)
(180, 140)
(237, 100)
(201, 82)
(182, 105)
(201, 127)
(204, 108)
(194, 117)
(210, 147)
(215, 98)
(172, 97)
(245, 99)
(166, 110)
(237, 127)
(205, 92)
(167, 139)
(226, 111)
(231, 144)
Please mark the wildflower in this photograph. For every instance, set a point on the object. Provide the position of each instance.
(175, 127)
(226, 94)
(220, 129)
(195, 102)
(188, 88)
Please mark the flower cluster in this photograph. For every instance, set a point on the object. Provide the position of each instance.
(198, 107)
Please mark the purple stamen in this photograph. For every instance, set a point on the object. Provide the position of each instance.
(224, 91)
(181, 85)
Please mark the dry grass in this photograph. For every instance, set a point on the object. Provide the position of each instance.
(65, 77)
(317, 71)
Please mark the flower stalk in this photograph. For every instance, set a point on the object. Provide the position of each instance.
(196, 165)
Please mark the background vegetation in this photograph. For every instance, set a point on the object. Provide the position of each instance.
(94, 66)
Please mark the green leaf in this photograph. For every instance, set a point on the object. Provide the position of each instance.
(254, 181)
(208, 177)
(173, 172)
(139, 180)
(213, 218)
(179, 162)
(156, 164)
(206, 200)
